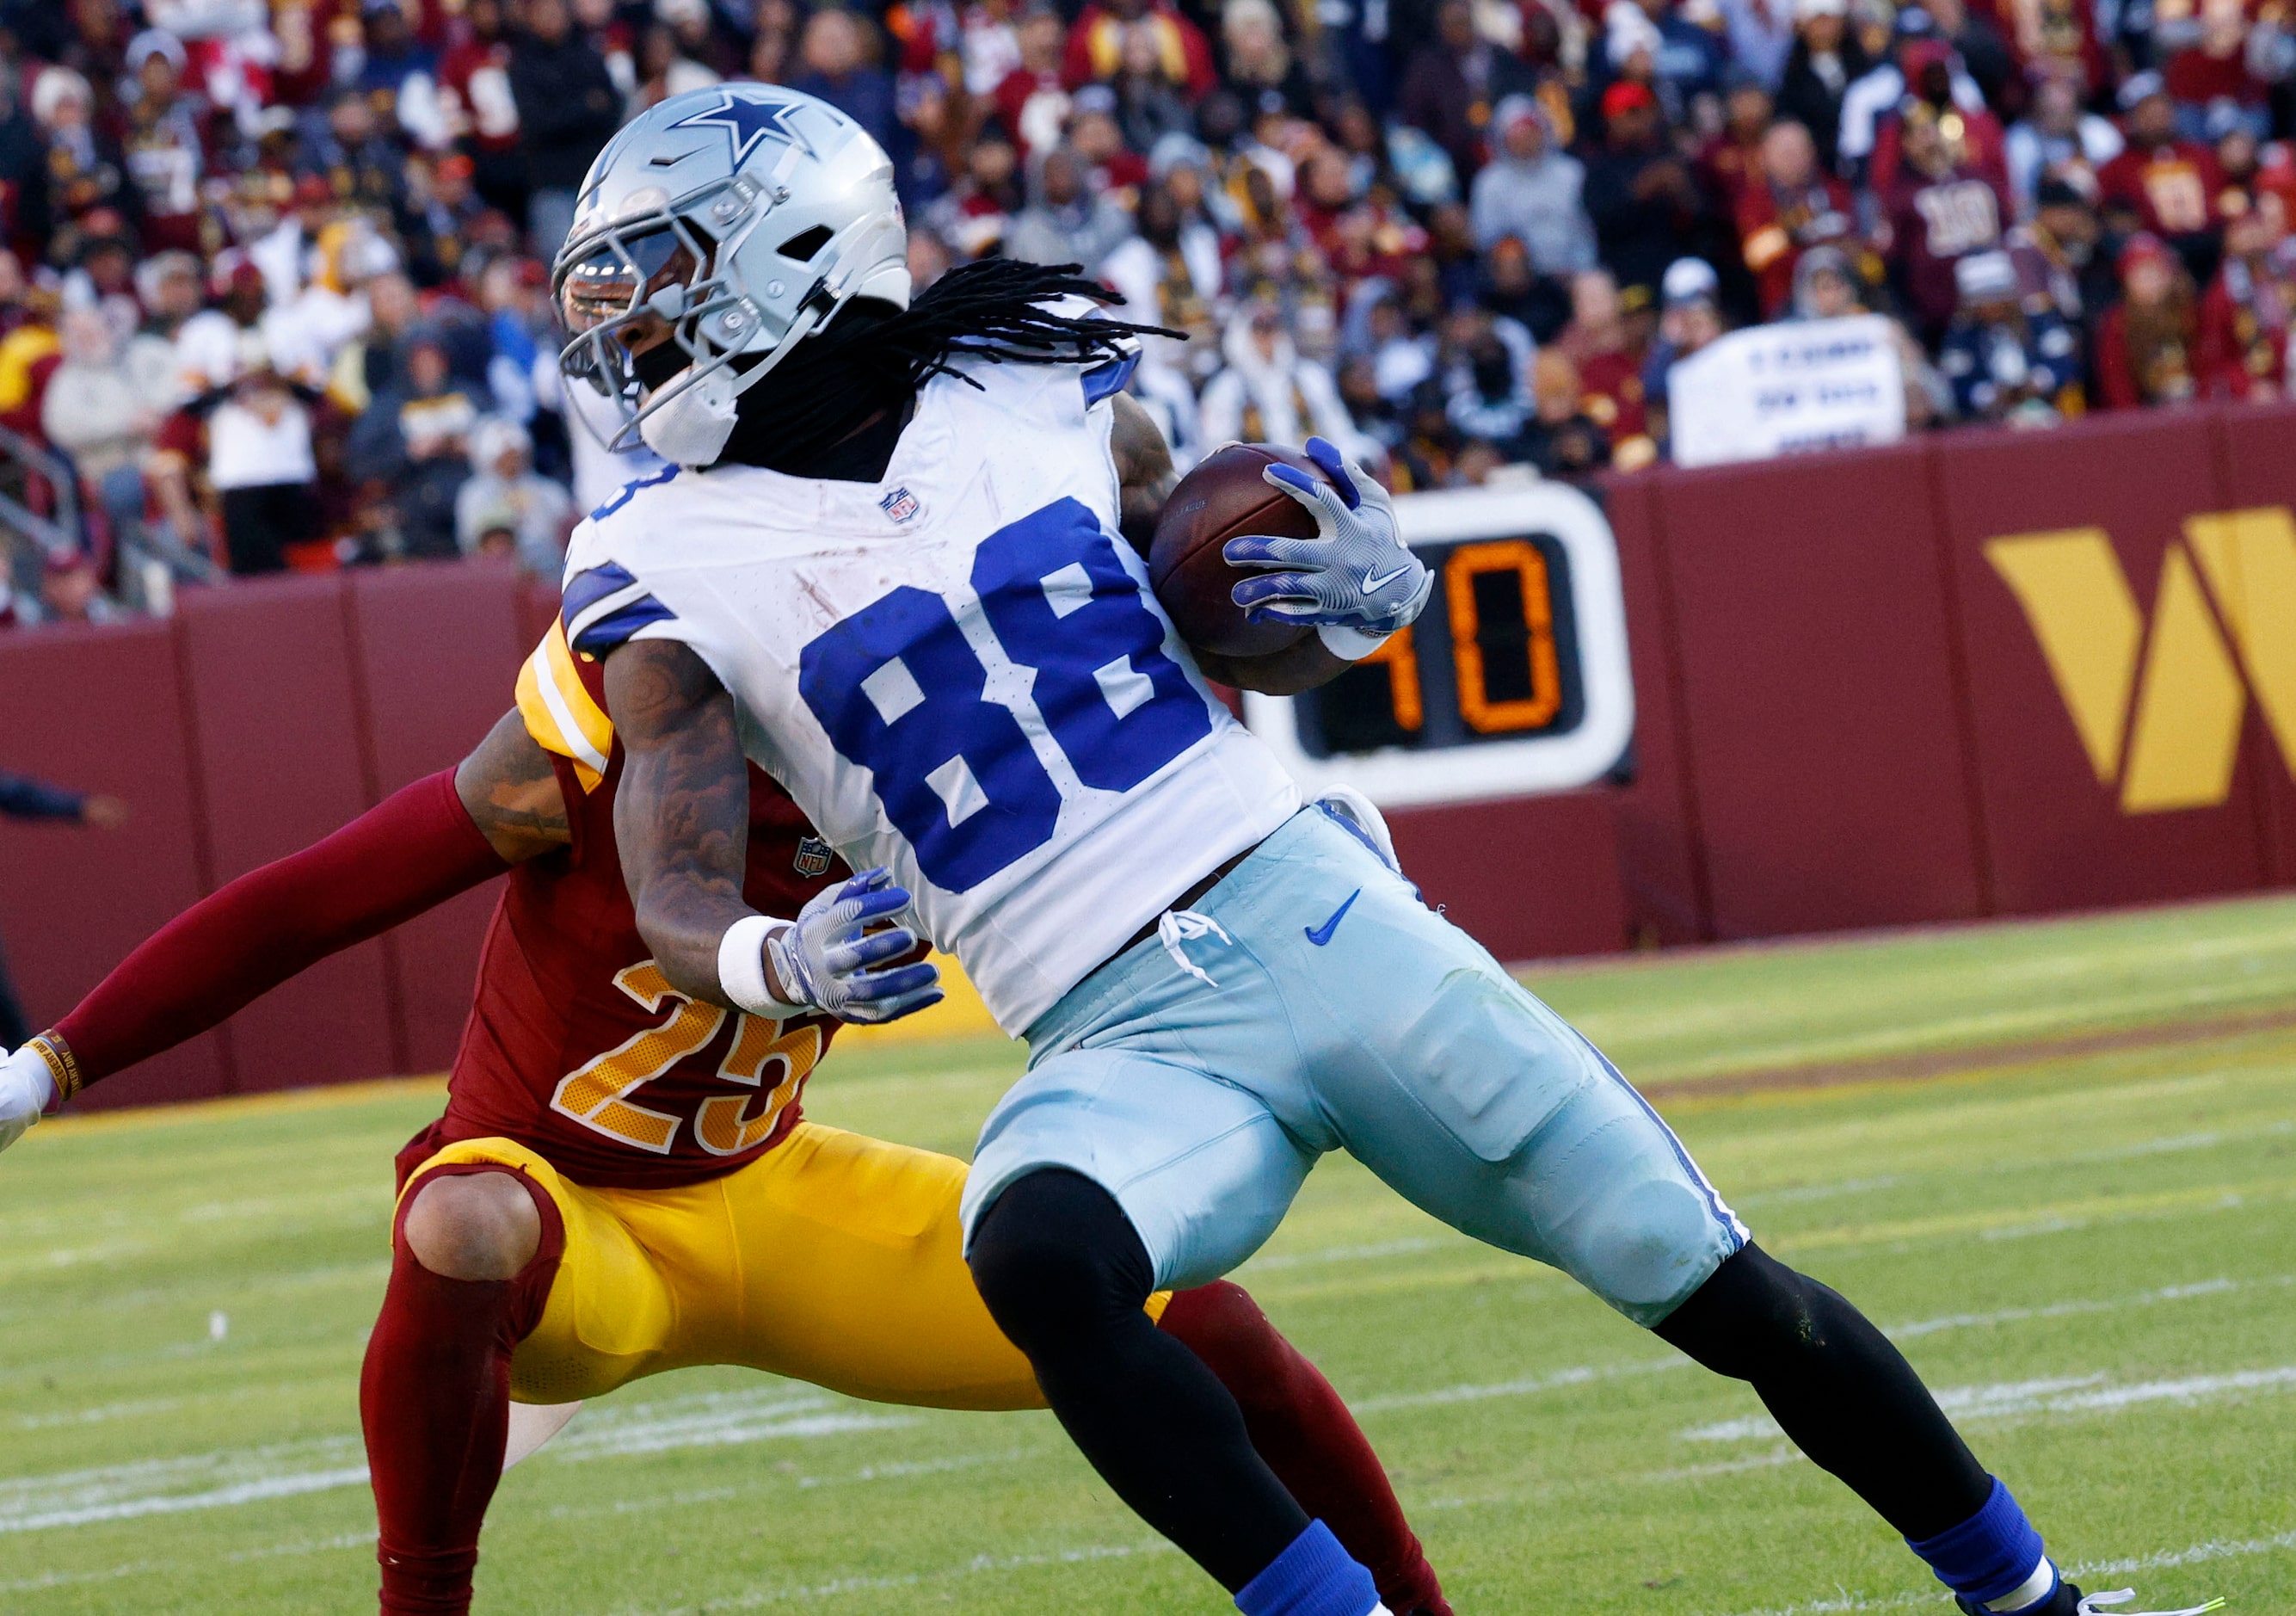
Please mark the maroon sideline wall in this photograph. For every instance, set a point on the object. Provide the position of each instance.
(259, 718)
(1844, 718)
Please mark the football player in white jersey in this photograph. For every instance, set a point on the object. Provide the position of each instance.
(889, 564)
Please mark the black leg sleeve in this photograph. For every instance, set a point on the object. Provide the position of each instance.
(1064, 1276)
(1841, 1390)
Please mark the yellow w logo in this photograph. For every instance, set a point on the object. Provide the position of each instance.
(2159, 713)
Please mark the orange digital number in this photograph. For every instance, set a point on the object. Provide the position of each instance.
(598, 1094)
(1481, 713)
(1401, 659)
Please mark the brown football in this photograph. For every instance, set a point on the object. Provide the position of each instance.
(1223, 498)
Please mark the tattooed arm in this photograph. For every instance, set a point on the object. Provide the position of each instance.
(511, 792)
(682, 811)
(1145, 472)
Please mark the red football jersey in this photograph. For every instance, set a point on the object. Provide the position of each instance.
(577, 1047)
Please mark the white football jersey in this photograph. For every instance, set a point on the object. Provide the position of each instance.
(959, 672)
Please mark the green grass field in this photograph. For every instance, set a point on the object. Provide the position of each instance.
(2058, 1161)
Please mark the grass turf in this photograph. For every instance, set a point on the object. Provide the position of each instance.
(2085, 1243)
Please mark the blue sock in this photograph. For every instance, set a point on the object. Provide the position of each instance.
(1989, 1554)
(1312, 1578)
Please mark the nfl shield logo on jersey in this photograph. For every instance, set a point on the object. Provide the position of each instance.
(900, 504)
(813, 857)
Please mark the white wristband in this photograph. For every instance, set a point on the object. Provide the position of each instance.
(741, 967)
(1350, 644)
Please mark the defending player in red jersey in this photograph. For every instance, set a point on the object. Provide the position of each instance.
(622, 1182)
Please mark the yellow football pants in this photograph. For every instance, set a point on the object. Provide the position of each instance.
(832, 1258)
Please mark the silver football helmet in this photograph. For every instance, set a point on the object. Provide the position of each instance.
(733, 222)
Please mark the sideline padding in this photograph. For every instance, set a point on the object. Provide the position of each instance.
(1813, 635)
(102, 709)
(2059, 836)
(282, 762)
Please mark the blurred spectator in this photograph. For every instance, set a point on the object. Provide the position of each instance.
(1608, 355)
(2057, 139)
(479, 106)
(1560, 438)
(505, 509)
(2005, 362)
(1169, 275)
(1867, 103)
(1788, 207)
(2218, 56)
(1825, 61)
(568, 108)
(165, 145)
(1066, 223)
(1946, 203)
(837, 53)
(1452, 83)
(1266, 393)
(1761, 35)
(414, 442)
(1533, 192)
(1639, 193)
(1095, 44)
(1032, 98)
(102, 411)
(1691, 320)
(85, 168)
(2241, 347)
(2057, 257)
(2146, 347)
(1489, 386)
(1976, 138)
(261, 462)
(973, 215)
(2162, 184)
(1258, 62)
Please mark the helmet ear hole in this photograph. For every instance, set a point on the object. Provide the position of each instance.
(800, 247)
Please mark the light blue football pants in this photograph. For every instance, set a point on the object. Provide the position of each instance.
(1311, 1003)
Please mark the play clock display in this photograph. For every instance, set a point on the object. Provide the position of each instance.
(1513, 680)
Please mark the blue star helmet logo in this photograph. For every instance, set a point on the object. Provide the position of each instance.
(748, 121)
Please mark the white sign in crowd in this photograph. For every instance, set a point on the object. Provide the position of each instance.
(1780, 390)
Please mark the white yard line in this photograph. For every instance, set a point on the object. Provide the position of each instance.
(228, 1478)
(979, 1565)
(2074, 1396)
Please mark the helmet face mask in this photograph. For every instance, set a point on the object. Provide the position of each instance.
(783, 212)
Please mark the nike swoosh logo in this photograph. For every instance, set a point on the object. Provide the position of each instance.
(1376, 582)
(1320, 935)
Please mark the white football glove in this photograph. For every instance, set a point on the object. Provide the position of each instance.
(25, 1091)
(1355, 583)
(824, 957)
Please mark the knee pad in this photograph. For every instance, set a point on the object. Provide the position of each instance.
(1752, 1318)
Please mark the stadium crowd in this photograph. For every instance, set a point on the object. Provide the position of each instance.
(275, 287)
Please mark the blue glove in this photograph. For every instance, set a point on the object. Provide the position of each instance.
(1355, 583)
(824, 957)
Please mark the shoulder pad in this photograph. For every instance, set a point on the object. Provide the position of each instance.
(604, 605)
(560, 711)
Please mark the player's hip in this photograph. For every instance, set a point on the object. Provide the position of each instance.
(1315, 977)
(835, 1259)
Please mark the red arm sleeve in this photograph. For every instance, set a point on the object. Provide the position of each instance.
(410, 853)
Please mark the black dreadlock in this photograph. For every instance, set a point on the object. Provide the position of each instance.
(873, 359)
